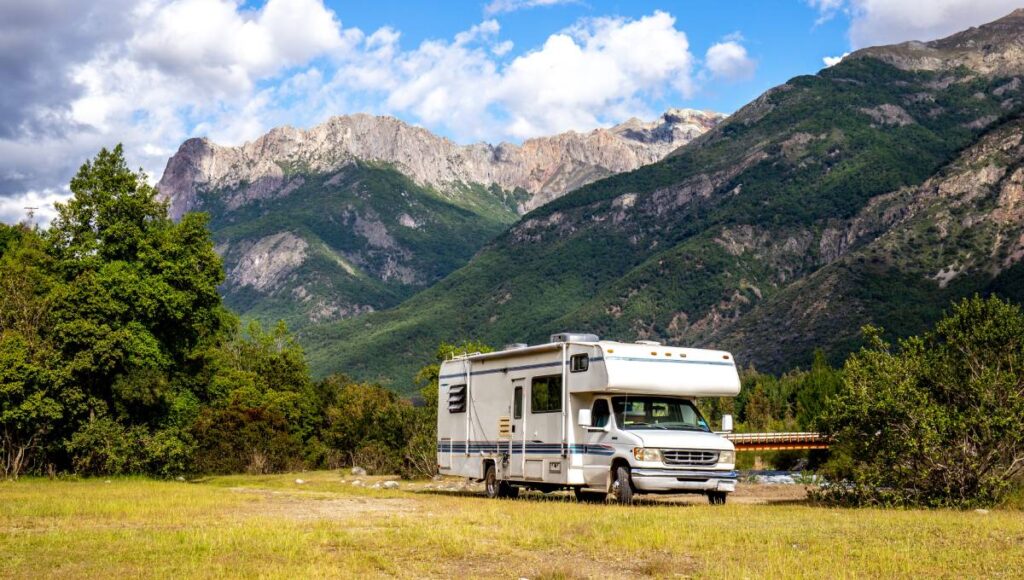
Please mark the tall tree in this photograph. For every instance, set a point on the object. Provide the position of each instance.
(34, 392)
(139, 295)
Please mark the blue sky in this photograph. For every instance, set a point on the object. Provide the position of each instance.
(77, 76)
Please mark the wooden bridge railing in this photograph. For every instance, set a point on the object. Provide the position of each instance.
(777, 441)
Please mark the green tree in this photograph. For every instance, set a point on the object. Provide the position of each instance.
(936, 421)
(106, 318)
(261, 407)
(34, 393)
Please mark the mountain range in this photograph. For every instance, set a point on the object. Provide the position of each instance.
(360, 212)
(872, 192)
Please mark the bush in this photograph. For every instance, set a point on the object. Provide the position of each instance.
(377, 458)
(105, 447)
(936, 422)
(420, 452)
(238, 438)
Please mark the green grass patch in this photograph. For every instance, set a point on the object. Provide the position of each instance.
(269, 526)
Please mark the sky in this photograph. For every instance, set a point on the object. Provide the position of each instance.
(78, 76)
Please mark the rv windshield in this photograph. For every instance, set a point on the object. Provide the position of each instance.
(657, 413)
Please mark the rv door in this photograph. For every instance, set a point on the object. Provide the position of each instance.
(517, 442)
(597, 460)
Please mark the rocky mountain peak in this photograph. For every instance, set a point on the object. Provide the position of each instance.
(996, 48)
(544, 167)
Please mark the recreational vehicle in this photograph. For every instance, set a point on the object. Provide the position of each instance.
(600, 417)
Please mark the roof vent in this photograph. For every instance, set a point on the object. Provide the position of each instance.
(649, 342)
(515, 345)
(574, 337)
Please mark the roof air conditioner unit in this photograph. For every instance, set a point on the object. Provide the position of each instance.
(574, 337)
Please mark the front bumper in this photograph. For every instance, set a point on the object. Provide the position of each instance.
(682, 480)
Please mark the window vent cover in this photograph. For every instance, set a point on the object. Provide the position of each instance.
(457, 399)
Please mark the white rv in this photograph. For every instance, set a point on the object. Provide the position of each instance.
(596, 416)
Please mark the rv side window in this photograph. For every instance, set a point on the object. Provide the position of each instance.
(546, 394)
(579, 363)
(457, 399)
(517, 404)
(600, 414)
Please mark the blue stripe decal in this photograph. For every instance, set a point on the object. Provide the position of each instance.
(517, 448)
(671, 360)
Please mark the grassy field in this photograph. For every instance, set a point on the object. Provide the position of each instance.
(273, 527)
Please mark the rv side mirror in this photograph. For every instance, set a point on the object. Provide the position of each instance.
(726, 423)
(584, 418)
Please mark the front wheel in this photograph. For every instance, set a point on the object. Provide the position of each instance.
(622, 487)
(717, 497)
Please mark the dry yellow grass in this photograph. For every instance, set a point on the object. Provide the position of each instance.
(271, 527)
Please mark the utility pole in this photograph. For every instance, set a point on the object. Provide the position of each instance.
(31, 212)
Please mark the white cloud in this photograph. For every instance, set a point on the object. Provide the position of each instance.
(874, 22)
(729, 60)
(594, 73)
(834, 60)
(826, 8)
(145, 74)
(500, 6)
(172, 69)
(17, 208)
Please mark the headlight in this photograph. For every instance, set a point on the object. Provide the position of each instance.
(644, 454)
(727, 457)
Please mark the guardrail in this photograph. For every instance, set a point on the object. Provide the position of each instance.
(777, 441)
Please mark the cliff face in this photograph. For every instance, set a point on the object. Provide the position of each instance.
(543, 168)
(358, 213)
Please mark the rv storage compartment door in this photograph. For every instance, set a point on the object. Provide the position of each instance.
(535, 469)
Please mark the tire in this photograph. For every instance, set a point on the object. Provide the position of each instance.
(717, 497)
(491, 484)
(622, 487)
(589, 496)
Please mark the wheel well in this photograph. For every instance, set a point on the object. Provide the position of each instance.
(619, 462)
(483, 469)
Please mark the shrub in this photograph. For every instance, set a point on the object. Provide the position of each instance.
(105, 447)
(936, 422)
(420, 451)
(377, 458)
(238, 438)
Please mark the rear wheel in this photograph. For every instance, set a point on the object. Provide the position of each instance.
(495, 488)
(589, 496)
(622, 487)
(717, 497)
(491, 485)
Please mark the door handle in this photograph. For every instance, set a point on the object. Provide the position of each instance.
(513, 428)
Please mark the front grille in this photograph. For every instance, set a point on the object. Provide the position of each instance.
(689, 457)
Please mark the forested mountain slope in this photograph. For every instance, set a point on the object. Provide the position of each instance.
(797, 184)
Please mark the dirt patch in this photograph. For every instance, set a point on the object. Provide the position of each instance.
(748, 494)
(318, 506)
